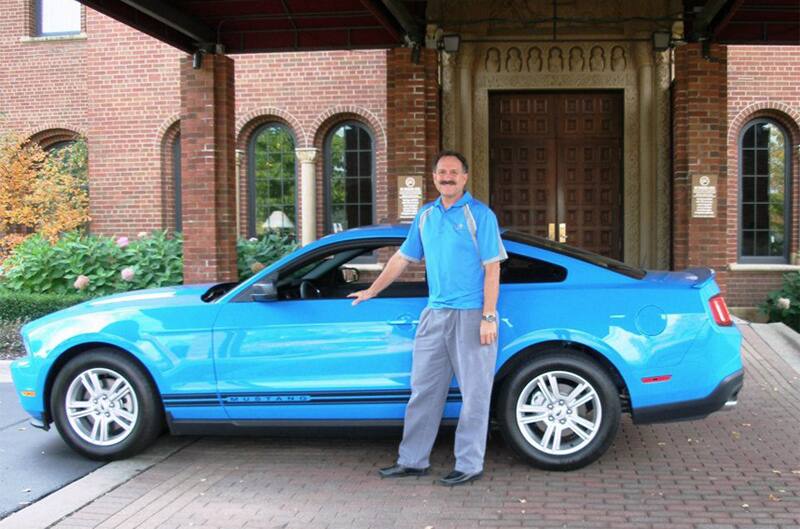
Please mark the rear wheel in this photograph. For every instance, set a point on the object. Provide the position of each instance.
(560, 410)
(105, 406)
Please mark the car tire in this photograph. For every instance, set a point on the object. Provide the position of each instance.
(105, 406)
(565, 431)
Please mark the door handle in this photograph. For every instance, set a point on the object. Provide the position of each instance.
(551, 231)
(403, 322)
(562, 232)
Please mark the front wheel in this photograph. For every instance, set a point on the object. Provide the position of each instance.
(560, 410)
(105, 406)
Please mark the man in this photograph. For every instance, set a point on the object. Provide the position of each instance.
(457, 333)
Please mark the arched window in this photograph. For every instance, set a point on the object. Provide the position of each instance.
(176, 180)
(764, 193)
(349, 177)
(272, 197)
(72, 157)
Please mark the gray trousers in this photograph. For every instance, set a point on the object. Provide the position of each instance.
(447, 342)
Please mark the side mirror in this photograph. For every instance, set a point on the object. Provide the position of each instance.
(264, 291)
(349, 275)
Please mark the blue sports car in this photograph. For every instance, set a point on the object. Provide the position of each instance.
(583, 339)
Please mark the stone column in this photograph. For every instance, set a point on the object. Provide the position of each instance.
(208, 170)
(663, 160)
(465, 98)
(308, 193)
(647, 210)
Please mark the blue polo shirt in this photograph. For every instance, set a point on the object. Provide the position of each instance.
(456, 244)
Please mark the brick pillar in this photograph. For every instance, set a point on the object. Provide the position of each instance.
(412, 118)
(208, 186)
(700, 148)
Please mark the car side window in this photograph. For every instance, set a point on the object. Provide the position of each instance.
(522, 269)
(335, 275)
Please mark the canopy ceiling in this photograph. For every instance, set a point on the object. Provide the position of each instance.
(255, 26)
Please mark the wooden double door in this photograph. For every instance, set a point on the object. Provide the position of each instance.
(556, 166)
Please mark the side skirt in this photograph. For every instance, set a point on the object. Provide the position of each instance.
(292, 429)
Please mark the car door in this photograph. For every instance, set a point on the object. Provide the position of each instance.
(310, 354)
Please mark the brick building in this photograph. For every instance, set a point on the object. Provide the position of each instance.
(601, 134)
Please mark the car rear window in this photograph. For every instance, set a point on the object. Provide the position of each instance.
(576, 253)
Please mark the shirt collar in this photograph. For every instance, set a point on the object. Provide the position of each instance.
(465, 198)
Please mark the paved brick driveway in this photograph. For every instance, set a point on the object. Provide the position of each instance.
(736, 469)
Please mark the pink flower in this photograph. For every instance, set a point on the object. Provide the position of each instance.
(81, 282)
(127, 273)
(122, 242)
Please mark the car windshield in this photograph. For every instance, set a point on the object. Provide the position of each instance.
(577, 253)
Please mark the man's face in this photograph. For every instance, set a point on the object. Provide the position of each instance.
(449, 177)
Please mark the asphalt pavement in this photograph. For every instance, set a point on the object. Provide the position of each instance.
(33, 463)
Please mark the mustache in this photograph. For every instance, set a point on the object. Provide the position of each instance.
(447, 182)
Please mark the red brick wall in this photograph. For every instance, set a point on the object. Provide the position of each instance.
(762, 82)
(413, 115)
(43, 84)
(699, 131)
(135, 99)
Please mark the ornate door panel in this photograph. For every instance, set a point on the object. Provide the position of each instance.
(556, 164)
(523, 162)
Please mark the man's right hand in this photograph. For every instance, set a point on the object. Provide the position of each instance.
(361, 295)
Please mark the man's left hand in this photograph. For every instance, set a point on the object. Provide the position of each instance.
(488, 332)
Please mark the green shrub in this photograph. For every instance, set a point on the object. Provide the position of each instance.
(256, 253)
(25, 306)
(37, 266)
(784, 305)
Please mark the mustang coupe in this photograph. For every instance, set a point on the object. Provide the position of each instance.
(583, 339)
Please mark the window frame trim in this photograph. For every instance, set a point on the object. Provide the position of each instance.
(327, 229)
(251, 176)
(39, 19)
(177, 181)
(787, 196)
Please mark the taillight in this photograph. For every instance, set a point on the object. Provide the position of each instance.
(720, 311)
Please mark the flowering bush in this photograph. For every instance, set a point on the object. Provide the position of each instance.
(784, 304)
(256, 253)
(93, 264)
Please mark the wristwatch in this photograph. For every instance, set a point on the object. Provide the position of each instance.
(491, 318)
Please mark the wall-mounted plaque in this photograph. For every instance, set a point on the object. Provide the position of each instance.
(704, 196)
(409, 196)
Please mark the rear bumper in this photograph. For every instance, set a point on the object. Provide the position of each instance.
(724, 396)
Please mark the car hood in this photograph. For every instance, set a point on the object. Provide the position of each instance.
(182, 295)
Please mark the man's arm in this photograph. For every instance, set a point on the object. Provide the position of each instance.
(396, 265)
(491, 289)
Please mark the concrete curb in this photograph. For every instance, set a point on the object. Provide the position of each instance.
(5, 370)
(51, 509)
(782, 339)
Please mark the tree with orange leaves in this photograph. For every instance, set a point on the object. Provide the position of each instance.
(39, 192)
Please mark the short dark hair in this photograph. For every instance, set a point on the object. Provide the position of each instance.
(455, 154)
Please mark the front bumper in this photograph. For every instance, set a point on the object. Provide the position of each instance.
(25, 376)
(724, 396)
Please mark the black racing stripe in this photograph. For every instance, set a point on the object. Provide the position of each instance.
(343, 393)
(398, 400)
(184, 396)
(387, 396)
